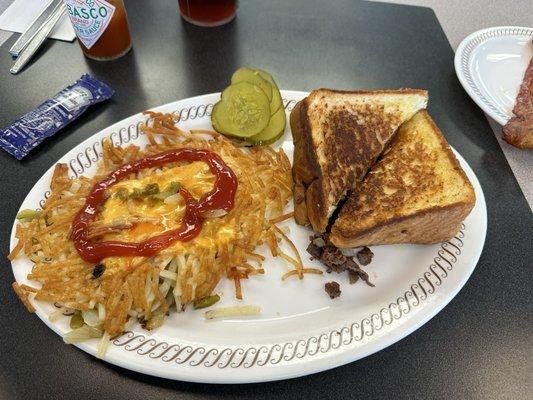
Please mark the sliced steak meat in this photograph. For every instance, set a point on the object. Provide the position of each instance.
(355, 272)
(333, 255)
(351, 265)
(316, 246)
(314, 250)
(364, 276)
(333, 259)
(338, 268)
(333, 289)
(364, 256)
(337, 260)
(353, 276)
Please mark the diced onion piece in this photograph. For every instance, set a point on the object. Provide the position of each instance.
(237, 311)
(173, 199)
(91, 317)
(215, 213)
(82, 334)
(75, 187)
(54, 316)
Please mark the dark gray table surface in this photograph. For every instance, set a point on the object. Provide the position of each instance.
(478, 347)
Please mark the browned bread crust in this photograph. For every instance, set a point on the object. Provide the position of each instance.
(337, 137)
(417, 193)
(433, 225)
(305, 168)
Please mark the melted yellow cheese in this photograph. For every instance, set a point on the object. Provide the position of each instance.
(196, 177)
(198, 180)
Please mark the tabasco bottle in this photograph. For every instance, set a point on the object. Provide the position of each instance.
(101, 27)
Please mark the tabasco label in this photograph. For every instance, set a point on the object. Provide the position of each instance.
(89, 18)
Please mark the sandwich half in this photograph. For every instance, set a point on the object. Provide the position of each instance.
(416, 193)
(337, 137)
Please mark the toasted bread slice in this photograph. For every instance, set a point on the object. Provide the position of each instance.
(337, 137)
(416, 193)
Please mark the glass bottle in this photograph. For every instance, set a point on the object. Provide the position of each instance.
(101, 27)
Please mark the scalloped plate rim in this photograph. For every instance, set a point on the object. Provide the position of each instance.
(308, 365)
(485, 104)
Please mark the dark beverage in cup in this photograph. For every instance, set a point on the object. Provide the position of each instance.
(208, 12)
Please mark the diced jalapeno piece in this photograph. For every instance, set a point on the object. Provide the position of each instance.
(206, 301)
(150, 189)
(28, 214)
(76, 321)
(173, 187)
(122, 194)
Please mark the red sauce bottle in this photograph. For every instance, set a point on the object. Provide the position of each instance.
(101, 27)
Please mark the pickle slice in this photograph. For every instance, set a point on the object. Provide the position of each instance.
(265, 75)
(272, 132)
(276, 101)
(214, 122)
(243, 111)
(245, 74)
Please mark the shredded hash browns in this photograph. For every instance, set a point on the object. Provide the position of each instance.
(146, 288)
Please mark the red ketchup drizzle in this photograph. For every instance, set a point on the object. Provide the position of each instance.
(220, 197)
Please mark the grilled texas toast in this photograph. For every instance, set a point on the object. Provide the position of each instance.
(337, 137)
(416, 193)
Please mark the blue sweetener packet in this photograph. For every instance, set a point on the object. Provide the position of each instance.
(23, 135)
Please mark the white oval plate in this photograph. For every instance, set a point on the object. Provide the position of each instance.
(490, 64)
(300, 331)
